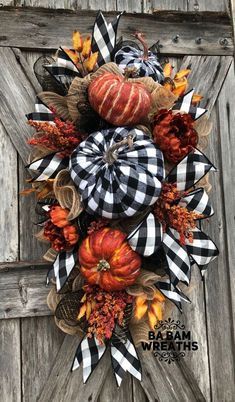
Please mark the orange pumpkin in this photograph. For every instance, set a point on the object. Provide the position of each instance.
(107, 260)
(118, 101)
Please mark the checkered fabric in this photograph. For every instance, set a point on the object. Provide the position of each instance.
(124, 359)
(190, 170)
(62, 267)
(130, 57)
(177, 258)
(42, 113)
(125, 187)
(63, 70)
(89, 352)
(203, 250)
(172, 293)
(104, 38)
(184, 104)
(198, 201)
(48, 167)
(147, 237)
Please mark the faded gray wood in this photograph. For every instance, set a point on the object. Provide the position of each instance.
(16, 98)
(10, 361)
(131, 6)
(207, 76)
(186, 5)
(23, 293)
(41, 340)
(168, 382)
(110, 392)
(17, 29)
(6, 266)
(219, 278)
(62, 385)
(138, 393)
(9, 205)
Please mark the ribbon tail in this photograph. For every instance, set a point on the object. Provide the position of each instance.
(125, 359)
(48, 167)
(89, 353)
(63, 266)
(184, 104)
(202, 250)
(42, 113)
(174, 294)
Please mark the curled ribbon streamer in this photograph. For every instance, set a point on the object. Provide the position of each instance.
(67, 194)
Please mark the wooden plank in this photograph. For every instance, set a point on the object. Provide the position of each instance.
(40, 342)
(62, 385)
(208, 5)
(138, 393)
(10, 364)
(168, 382)
(6, 266)
(23, 293)
(219, 278)
(152, 5)
(9, 204)
(207, 76)
(18, 30)
(186, 5)
(130, 6)
(109, 391)
(17, 98)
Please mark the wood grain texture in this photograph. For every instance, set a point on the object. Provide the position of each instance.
(16, 98)
(17, 29)
(10, 361)
(9, 198)
(41, 339)
(219, 280)
(62, 385)
(110, 391)
(168, 382)
(23, 293)
(207, 76)
(186, 5)
(131, 6)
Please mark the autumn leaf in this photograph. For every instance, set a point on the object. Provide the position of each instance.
(86, 50)
(73, 55)
(182, 74)
(167, 70)
(91, 62)
(196, 98)
(77, 41)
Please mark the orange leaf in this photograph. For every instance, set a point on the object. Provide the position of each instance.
(168, 86)
(156, 308)
(73, 55)
(182, 74)
(82, 312)
(88, 310)
(86, 50)
(77, 41)
(27, 191)
(196, 98)
(91, 62)
(140, 311)
(167, 70)
(159, 296)
(180, 88)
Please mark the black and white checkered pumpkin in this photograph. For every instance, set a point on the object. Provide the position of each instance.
(127, 185)
(130, 57)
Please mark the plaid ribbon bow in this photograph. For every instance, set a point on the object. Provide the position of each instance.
(148, 236)
(104, 38)
(184, 104)
(123, 356)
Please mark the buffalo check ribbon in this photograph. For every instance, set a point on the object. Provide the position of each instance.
(148, 236)
(123, 357)
(62, 267)
(184, 104)
(42, 113)
(104, 38)
(48, 167)
(63, 70)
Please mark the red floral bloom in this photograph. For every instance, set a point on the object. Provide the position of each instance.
(174, 134)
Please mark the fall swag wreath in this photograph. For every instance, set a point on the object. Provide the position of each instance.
(116, 166)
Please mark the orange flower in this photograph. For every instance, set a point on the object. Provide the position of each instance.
(77, 41)
(153, 308)
(70, 234)
(58, 216)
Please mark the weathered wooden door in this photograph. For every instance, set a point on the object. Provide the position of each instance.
(35, 356)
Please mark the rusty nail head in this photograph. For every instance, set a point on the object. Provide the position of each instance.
(223, 42)
(176, 38)
(198, 41)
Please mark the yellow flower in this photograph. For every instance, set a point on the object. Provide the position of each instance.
(153, 308)
(77, 41)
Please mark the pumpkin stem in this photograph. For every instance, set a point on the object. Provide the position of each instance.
(103, 265)
(140, 37)
(110, 156)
